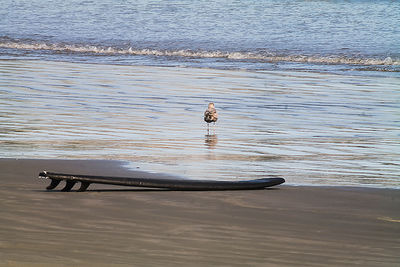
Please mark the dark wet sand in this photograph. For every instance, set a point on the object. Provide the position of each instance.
(286, 226)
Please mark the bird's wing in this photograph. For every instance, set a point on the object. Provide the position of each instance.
(215, 114)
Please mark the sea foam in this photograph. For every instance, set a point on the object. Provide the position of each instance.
(187, 53)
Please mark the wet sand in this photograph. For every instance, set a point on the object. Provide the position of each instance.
(114, 226)
(153, 117)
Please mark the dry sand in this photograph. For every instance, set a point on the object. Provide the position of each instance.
(286, 226)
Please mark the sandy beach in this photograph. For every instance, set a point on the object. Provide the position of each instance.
(113, 226)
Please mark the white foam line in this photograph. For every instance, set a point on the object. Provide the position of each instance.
(199, 54)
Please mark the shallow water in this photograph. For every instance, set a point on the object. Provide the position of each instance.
(310, 128)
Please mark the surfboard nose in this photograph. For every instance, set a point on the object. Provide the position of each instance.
(277, 181)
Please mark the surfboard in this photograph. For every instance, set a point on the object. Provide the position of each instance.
(162, 182)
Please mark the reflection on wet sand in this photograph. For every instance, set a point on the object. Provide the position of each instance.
(310, 128)
(210, 140)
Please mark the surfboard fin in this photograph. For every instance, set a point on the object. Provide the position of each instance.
(68, 186)
(53, 184)
(84, 186)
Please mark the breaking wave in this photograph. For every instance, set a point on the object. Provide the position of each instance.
(262, 56)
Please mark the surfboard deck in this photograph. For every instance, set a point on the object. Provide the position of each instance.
(166, 183)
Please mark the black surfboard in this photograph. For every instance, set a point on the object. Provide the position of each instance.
(154, 182)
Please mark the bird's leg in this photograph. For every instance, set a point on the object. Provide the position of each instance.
(208, 129)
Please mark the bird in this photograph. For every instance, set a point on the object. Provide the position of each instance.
(210, 115)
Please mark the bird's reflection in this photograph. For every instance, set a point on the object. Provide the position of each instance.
(210, 140)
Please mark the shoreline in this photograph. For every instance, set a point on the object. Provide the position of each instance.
(120, 167)
(114, 226)
(123, 120)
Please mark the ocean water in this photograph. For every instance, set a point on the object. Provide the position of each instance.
(266, 35)
(306, 90)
